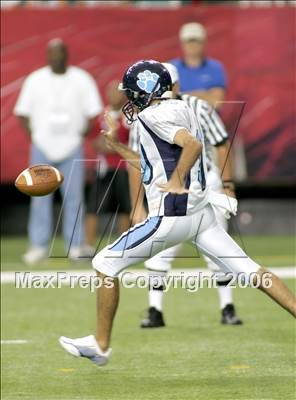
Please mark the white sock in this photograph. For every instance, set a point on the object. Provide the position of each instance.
(156, 288)
(155, 299)
(225, 296)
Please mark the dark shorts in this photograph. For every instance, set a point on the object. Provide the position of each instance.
(110, 193)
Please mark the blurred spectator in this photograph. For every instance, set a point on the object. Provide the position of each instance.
(110, 192)
(57, 106)
(200, 76)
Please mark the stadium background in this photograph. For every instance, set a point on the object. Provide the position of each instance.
(195, 357)
(253, 42)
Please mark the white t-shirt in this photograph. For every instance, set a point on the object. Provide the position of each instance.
(58, 106)
(157, 126)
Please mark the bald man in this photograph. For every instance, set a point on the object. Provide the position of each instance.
(56, 107)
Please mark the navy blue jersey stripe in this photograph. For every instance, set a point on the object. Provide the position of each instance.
(169, 153)
(146, 167)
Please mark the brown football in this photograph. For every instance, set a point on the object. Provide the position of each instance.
(39, 180)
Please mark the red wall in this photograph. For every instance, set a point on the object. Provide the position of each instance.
(256, 46)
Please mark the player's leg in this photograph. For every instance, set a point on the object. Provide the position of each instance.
(107, 299)
(73, 203)
(137, 244)
(225, 292)
(278, 291)
(158, 267)
(214, 242)
(40, 218)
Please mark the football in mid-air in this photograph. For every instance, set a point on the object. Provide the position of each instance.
(39, 180)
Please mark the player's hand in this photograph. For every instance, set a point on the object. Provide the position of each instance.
(113, 125)
(230, 192)
(173, 186)
(109, 139)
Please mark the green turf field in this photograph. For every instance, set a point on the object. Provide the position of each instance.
(194, 357)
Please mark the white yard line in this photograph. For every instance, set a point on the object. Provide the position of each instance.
(11, 276)
(16, 341)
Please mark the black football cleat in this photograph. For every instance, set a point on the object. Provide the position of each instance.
(229, 317)
(154, 319)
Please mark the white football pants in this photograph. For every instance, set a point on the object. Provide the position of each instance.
(162, 262)
(156, 234)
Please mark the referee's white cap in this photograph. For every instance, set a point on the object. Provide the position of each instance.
(192, 31)
(172, 71)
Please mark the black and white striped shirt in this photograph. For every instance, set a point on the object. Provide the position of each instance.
(211, 124)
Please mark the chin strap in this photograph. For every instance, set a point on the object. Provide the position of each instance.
(129, 111)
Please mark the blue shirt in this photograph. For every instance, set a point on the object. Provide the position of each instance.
(207, 75)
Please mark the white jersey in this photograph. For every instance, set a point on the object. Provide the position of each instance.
(211, 124)
(156, 127)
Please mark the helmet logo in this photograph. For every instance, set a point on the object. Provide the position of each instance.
(147, 80)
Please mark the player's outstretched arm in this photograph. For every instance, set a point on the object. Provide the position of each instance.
(191, 150)
(132, 157)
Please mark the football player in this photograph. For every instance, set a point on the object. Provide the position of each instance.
(215, 136)
(172, 160)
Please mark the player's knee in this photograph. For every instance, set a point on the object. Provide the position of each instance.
(104, 265)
